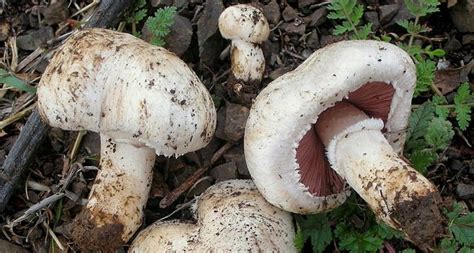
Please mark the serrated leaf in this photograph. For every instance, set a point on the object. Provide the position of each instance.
(440, 110)
(448, 246)
(422, 159)
(419, 120)
(463, 229)
(299, 240)
(425, 71)
(341, 29)
(317, 228)
(439, 133)
(159, 25)
(422, 8)
(466, 250)
(354, 241)
(356, 15)
(364, 32)
(13, 81)
(385, 232)
(462, 110)
(140, 15)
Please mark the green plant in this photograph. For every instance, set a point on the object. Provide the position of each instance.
(159, 25)
(351, 15)
(461, 230)
(13, 81)
(425, 68)
(138, 13)
(428, 134)
(368, 236)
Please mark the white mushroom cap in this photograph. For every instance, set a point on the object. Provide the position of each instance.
(231, 216)
(244, 22)
(284, 111)
(135, 93)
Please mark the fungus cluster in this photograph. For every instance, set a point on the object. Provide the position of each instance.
(143, 100)
(341, 116)
(231, 216)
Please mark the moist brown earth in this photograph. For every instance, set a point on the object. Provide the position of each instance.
(422, 220)
(90, 237)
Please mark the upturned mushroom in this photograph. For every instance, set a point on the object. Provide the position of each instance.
(231, 216)
(143, 100)
(247, 27)
(351, 99)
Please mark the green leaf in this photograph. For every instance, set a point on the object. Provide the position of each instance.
(422, 8)
(317, 227)
(355, 241)
(466, 250)
(420, 120)
(439, 133)
(139, 15)
(408, 251)
(350, 12)
(421, 159)
(364, 32)
(159, 25)
(463, 229)
(385, 232)
(461, 225)
(462, 110)
(425, 71)
(441, 111)
(299, 239)
(341, 29)
(448, 246)
(13, 81)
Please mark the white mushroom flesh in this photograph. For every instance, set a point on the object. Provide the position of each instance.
(231, 216)
(248, 62)
(143, 100)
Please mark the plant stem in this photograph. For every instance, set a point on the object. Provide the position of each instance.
(350, 22)
(444, 106)
(412, 36)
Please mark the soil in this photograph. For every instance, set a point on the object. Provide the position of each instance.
(422, 220)
(68, 163)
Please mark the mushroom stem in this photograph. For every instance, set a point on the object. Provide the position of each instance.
(248, 62)
(359, 152)
(120, 191)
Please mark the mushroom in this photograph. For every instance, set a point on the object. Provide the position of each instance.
(247, 27)
(143, 100)
(231, 216)
(351, 99)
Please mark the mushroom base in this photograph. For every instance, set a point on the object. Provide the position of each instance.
(421, 220)
(120, 191)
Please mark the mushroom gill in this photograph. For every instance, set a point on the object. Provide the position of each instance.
(374, 99)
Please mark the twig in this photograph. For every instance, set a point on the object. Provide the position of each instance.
(53, 235)
(15, 117)
(30, 58)
(38, 206)
(86, 8)
(183, 206)
(178, 191)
